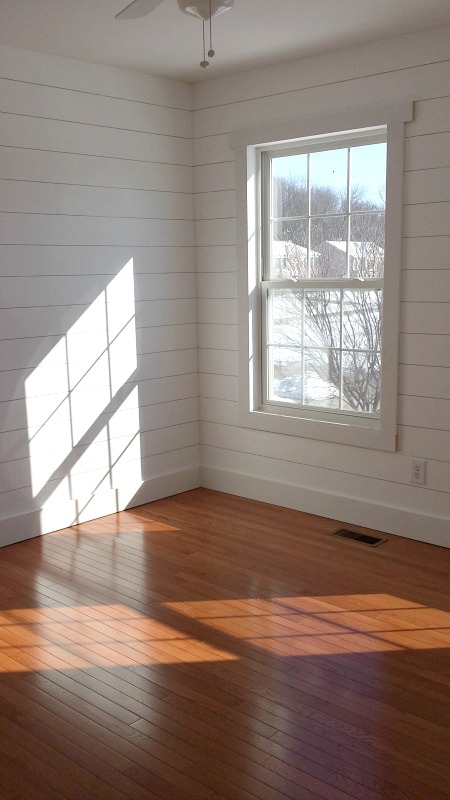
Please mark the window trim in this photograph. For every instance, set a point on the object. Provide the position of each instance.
(377, 433)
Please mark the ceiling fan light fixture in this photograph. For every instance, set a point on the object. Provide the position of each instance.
(205, 9)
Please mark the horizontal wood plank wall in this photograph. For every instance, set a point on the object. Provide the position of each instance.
(371, 487)
(98, 336)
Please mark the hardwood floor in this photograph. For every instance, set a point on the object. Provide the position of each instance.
(207, 647)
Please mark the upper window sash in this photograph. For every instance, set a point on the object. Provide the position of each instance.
(265, 156)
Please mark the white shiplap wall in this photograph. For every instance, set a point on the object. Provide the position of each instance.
(98, 364)
(95, 170)
(351, 484)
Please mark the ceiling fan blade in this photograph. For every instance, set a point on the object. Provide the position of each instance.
(138, 8)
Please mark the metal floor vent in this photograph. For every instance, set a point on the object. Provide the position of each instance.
(363, 538)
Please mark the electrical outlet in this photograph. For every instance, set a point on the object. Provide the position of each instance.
(418, 467)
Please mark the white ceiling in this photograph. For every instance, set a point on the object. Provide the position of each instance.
(168, 43)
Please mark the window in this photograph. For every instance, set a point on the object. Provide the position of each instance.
(323, 242)
(319, 214)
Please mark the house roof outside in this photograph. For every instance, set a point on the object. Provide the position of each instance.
(284, 249)
(355, 249)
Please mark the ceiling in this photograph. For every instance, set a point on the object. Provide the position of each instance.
(169, 43)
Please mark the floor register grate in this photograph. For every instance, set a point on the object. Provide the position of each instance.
(362, 538)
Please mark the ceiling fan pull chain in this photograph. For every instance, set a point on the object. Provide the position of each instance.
(204, 63)
(211, 52)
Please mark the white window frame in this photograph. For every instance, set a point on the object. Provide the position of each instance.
(363, 431)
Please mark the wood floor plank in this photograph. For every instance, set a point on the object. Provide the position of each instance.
(209, 647)
(140, 763)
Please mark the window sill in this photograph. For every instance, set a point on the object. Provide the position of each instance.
(342, 429)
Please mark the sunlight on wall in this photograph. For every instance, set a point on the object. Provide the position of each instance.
(253, 299)
(82, 415)
(251, 231)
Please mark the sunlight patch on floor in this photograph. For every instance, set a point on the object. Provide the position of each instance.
(302, 625)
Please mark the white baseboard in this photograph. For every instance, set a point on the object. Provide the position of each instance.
(351, 510)
(63, 514)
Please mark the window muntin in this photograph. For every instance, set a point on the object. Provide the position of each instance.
(323, 208)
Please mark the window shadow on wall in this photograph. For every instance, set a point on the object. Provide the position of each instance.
(83, 413)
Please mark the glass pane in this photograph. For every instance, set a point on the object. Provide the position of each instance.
(285, 374)
(366, 247)
(322, 319)
(322, 378)
(368, 177)
(329, 247)
(285, 318)
(290, 186)
(361, 320)
(328, 177)
(289, 260)
(361, 381)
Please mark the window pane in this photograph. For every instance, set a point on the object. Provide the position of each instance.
(290, 186)
(329, 247)
(368, 177)
(322, 318)
(285, 318)
(361, 320)
(361, 381)
(366, 245)
(322, 378)
(328, 177)
(289, 260)
(285, 374)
